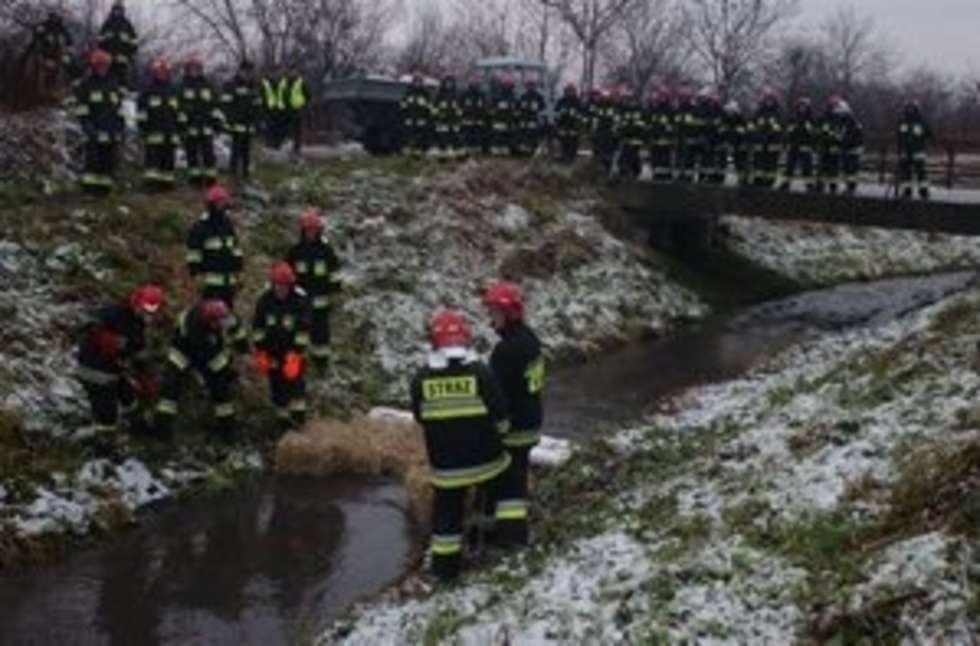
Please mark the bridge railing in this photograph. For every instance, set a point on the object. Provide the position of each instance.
(951, 163)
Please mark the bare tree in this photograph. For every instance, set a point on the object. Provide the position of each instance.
(591, 21)
(731, 37)
(651, 42)
(853, 48)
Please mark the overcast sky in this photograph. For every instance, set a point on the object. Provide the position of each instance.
(942, 33)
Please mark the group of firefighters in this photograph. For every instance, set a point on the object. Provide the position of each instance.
(685, 137)
(191, 113)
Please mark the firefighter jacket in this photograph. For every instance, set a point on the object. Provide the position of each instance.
(99, 108)
(853, 134)
(474, 107)
(282, 325)
(197, 345)
(710, 115)
(733, 130)
(113, 339)
(687, 124)
(518, 365)
(212, 250)
(118, 37)
(457, 401)
(913, 136)
(660, 126)
(605, 118)
(416, 108)
(765, 130)
(529, 107)
(241, 105)
(316, 264)
(831, 134)
(52, 39)
(802, 133)
(201, 114)
(446, 112)
(158, 114)
(632, 127)
(569, 116)
(503, 111)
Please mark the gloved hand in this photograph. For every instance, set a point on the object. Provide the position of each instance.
(262, 361)
(292, 367)
(106, 343)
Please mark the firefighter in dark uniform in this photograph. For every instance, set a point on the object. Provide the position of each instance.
(447, 119)
(853, 147)
(458, 403)
(690, 141)
(661, 136)
(711, 114)
(118, 37)
(831, 146)
(734, 145)
(112, 365)
(913, 138)
(213, 253)
(530, 107)
(570, 120)
(201, 119)
(200, 343)
(801, 140)
(159, 118)
(605, 124)
(416, 118)
(241, 105)
(316, 265)
(503, 117)
(474, 106)
(53, 43)
(98, 107)
(631, 133)
(766, 137)
(281, 337)
(518, 365)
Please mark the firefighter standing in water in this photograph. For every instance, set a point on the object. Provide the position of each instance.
(458, 403)
(518, 366)
(316, 264)
(281, 335)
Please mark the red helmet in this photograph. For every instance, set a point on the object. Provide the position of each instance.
(218, 195)
(311, 221)
(449, 328)
(215, 311)
(506, 79)
(100, 59)
(506, 297)
(768, 96)
(147, 298)
(161, 69)
(281, 274)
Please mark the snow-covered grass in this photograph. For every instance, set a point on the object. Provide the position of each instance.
(832, 493)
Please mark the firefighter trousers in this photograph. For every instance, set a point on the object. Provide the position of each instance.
(289, 399)
(200, 160)
(569, 148)
(799, 159)
(219, 385)
(106, 400)
(159, 163)
(99, 165)
(448, 507)
(661, 161)
(320, 333)
(508, 500)
(241, 154)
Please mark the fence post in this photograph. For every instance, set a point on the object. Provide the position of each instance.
(950, 164)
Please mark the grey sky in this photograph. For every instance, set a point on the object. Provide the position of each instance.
(940, 33)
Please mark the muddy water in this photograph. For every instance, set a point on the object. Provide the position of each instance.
(268, 564)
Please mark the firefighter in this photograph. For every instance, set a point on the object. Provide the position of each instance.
(852, 148)
(98, 107)
(447, 117)
(458, 403)
(118, 37)
(570, 119)
(801, 139)
(710, 115)
(316, 265)
(293, 98)
(831, 137)
(734, 129)
(416, 118)
(604, 127)
(474, 106)
(53, 42)
(631, 133)
(200, 343)
(159, 119)
(112, 363)
(765, 134)
(690, 140)
(213, 253)
(201, 118)
(913, 138)
(503, 117)
(518, 365)
(281, 336)
(530, 107)
(660, 135)
(241, 105)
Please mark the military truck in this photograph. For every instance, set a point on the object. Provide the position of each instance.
(365, 108)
